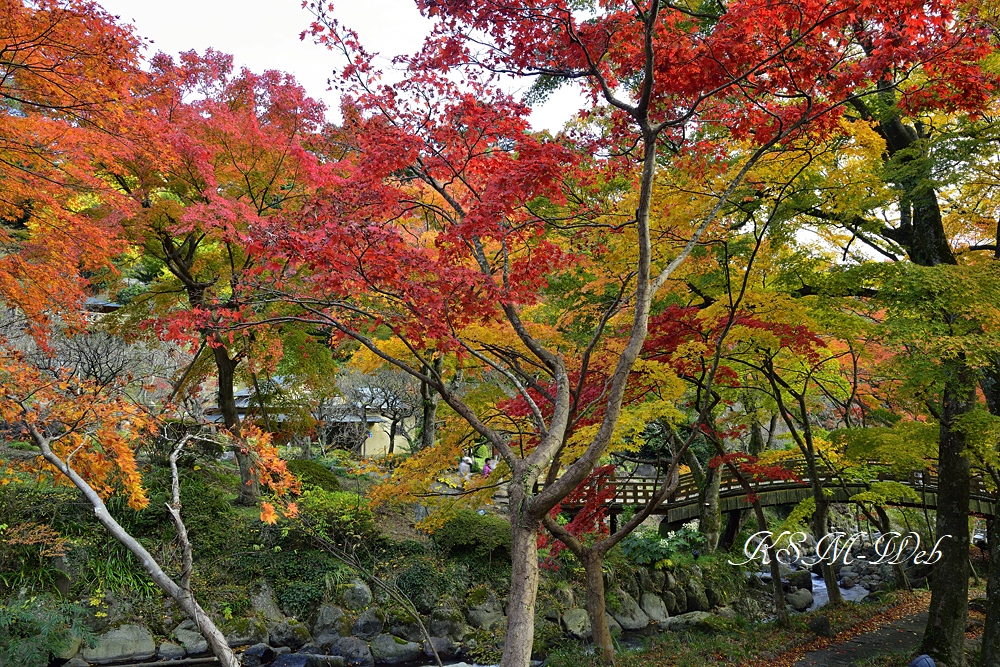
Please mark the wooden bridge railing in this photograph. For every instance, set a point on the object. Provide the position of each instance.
(637, 491)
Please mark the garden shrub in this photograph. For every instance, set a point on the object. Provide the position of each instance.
(35, 629)
(314, 473)
(339, 515)
(422, 582)
(468, 533)
(647, 548)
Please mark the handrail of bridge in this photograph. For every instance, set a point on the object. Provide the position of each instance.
(640, 490)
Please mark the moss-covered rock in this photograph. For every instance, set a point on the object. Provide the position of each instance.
(290, 633)
(245, 631)
(390, 650)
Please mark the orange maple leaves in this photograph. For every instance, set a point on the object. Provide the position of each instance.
(68, 68)
(95, 429)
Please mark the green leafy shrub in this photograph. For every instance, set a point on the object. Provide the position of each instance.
(338, 515)
(485, 647)
(314, 473)
(35, 629)
(546, 634)
(422, 582)
(647, 548)
(468, 533)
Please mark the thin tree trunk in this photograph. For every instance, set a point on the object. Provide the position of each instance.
(709, 515)
(821, 526)
(216, 640)
(226, 370)
(429, 404)
(734, 523)
(780, 607)
(604, 648)
(991, 629)
(886, 526)
(392, 435)
(523, 587)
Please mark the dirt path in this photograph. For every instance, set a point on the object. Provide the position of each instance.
(899, 636)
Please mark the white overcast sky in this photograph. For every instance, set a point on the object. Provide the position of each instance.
(264, 34)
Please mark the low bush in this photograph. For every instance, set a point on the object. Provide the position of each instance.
(338, 515)
(647, 548)
(314, 473)
(33, 630)
(469, 533)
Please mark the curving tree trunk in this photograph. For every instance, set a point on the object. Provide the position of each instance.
(226, 372)
(180, 593)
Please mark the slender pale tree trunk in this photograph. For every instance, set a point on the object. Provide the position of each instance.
(820, 527)
(181, 595)
(523, 586)
(780, 607)
(709, 516)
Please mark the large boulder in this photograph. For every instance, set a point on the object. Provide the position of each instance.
(389, 650)
(331, 624)
(448, 623)
(613, 626)
(682, 599)
(576, 623)
(645, 581)
(356, 596)
(354, 651)
(800, 599)
(446, 649)
(290, 633)
(696, 620)
(170, 651)
(822, 627)
(484, 610)
(262, 602)
(670, 603)
(369, 624)
(71, 648)
(245, 632)
(563, 595)
(628, 583)
(190, 638)
(629, 614)
(716, 596)
(801, 579)
(407, 628)
(654, 607)
(126, 643)
(257, 655)
(697, 598)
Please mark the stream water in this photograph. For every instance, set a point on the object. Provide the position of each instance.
(821, 596)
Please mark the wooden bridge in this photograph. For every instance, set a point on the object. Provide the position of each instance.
(683, 504)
